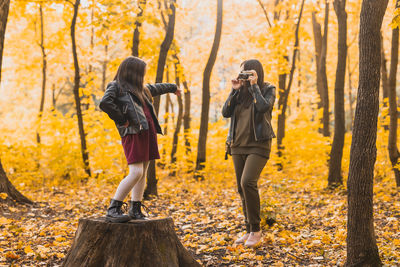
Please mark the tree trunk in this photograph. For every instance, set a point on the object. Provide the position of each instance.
(318, 45)
(53, 97)
(44, 70)
(281, 117)
(325, 94)
(7, 187)
(166, 120)
(104, 70)
(299, 79)
(178, 123)
(167, 105)
(361, 242)
(265, 13)
(186, 114)
(91, 39)
(392, 142)
(172, 108)
(187, 118)
(138, 24)
(135, 243)
(205, 105)
(4, 6)
(321, 48)
(385, 85)
(84, 151)
(285, 90)
(5, 184)
(335, 162)
(166, 44)
(384, 72)
(151, 188)
(350, 94)
(85, 102)
(89, 74)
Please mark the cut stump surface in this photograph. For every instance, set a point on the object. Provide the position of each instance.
(135, 243)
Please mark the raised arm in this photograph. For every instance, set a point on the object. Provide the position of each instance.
(230, 103)
(161, 88)
(109, 106)
(263, 102)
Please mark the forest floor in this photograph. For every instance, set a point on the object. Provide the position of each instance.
(310, 228)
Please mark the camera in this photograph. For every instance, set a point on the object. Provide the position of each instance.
(244, 75)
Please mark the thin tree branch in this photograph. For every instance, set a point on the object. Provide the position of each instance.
(296, 48)
(162, 15)
(265, 13)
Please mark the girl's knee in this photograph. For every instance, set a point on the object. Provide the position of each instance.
(136, 173)
(248, 184)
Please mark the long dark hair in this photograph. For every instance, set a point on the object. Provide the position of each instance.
(130, 77)
(251, 64)
(255, 64)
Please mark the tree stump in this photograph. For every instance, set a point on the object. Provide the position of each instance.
(135, 243)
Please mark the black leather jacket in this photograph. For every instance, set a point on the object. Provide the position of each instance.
(125, 106)
(262, 106)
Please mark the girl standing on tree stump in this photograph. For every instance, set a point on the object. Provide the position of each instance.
(129, 104)
(249, 105)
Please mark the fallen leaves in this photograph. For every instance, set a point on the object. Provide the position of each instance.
(11, 255)
(28, 251)
(310, 227)
(303, 223)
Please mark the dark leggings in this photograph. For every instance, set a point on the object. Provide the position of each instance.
(248, 169)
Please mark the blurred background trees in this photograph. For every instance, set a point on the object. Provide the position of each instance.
(58, 57)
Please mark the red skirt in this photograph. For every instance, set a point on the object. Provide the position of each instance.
(143, 145)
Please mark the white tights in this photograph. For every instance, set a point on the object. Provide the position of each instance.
(135, 181)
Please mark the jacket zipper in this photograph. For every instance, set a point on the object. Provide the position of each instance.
(137, 115)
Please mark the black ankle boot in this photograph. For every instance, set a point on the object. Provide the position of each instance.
(115, 213)
(135, 211)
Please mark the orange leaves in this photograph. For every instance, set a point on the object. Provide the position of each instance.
(310, 223)
(60, 239)
(28, 251)
(42, 252)
(4, 221)
(287, 237)
(11, 255)
(396, 18)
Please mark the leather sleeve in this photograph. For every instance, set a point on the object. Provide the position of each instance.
(108, 104)
(263, 103)
(230, 103)
(161, 88)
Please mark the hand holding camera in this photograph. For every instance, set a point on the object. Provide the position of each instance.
(236, 84)
(248, 75)
(245, 75)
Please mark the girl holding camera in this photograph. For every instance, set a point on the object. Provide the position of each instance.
(249, 105)
(129, 104)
